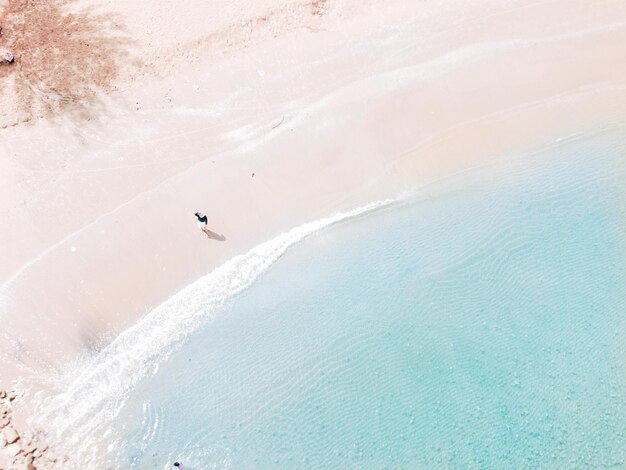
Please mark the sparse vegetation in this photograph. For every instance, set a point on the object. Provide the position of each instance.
(62, 59)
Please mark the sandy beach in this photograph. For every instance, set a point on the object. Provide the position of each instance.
(122, 119)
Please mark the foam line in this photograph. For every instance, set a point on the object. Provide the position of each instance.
(96, 396)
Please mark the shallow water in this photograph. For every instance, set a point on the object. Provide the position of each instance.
(481, 325)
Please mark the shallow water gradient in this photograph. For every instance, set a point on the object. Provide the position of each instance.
(481, 325)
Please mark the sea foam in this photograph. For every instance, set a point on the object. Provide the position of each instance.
(94, 398)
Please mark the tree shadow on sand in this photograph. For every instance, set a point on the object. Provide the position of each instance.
(64, 60)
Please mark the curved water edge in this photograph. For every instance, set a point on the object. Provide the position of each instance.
(478, 325)
(94, 398)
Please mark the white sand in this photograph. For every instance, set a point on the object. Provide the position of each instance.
(330, 105)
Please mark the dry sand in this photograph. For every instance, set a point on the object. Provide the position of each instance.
(121, 119)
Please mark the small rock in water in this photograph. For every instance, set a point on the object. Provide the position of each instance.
(10, 435)
(13, 449)
(26, 466)
(29, 448)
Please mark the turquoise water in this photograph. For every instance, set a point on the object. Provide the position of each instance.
(481, 325)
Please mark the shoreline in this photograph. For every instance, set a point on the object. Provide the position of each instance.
(137, 352)
(128, 359)
(97, 214)
(112, 363)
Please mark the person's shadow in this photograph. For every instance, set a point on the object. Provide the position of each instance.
(214, 236)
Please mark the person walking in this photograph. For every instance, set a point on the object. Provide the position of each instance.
(202, 221)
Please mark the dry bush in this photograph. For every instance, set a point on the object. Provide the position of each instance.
(319, 7)
(63, 60)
